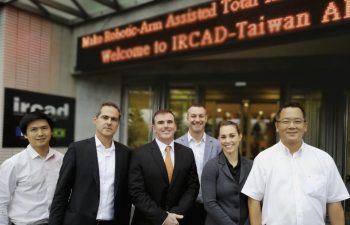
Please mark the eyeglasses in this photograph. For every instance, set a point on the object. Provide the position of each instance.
(288, 122)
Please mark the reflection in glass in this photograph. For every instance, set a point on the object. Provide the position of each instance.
(180, 100)
(139, 117)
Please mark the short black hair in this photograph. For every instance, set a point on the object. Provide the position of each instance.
(290, 105)
(30, 117)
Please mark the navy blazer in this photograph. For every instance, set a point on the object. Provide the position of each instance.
(149, 187)
(222, 197)
(77, 194)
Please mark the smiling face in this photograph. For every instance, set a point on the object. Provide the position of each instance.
(39, 134)
(164, 127)
(230, 139)
(107, 122)
(291, 126)
(197, 118)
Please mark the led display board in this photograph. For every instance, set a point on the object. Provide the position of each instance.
(18, 102)
(223, 24)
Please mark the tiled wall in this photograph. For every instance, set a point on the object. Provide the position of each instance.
(35, 55)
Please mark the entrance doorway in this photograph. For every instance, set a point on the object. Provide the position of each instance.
(255, 119)
(253, 108)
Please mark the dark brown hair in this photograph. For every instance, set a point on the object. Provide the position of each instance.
(111, 104)
(162, 111)
(229, 123)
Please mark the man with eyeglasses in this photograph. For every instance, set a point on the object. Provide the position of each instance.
(297, 183)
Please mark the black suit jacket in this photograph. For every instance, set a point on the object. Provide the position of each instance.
(150, 190)
(77, 194)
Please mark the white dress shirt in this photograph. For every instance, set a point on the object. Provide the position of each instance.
(295, 188)
(106, 168)
(27, 186)
(198, 149)
(162, 147)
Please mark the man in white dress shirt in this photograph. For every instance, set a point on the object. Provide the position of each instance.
(92, 187)
(28, 179)
(297, 183)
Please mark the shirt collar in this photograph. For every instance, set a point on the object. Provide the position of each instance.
(238, 162)
(287, 152)
(100, 145)
(34, 154)
(162, 146)
(190, 138)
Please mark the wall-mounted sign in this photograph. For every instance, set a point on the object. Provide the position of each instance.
(18, 102)
(216, 24)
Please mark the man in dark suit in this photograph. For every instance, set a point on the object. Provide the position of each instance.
(204, 147)
(162, 194)
(92, 185)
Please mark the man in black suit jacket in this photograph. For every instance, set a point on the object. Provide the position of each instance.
(92, 185)
(158, 201)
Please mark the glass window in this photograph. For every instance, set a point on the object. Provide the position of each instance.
(311, 100)
(139, 117)
(180, 100)
(253, 108)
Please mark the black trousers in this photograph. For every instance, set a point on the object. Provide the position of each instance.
(196, 215)
(105, 222)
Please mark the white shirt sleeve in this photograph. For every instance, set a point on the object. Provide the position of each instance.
(336, 189)
(254, 187)
(7, 187)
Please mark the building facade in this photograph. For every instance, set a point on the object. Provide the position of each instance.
(228, 55)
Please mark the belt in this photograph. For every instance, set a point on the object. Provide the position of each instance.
(105, 222)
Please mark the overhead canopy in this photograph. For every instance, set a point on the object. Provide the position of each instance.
(74, 12)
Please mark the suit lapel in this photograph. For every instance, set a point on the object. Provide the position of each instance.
(158, 159)
(178, 161)
(91, 150)
(118, 163)
(224, 166)
(244, 170)
(207, 149)
(183, 140)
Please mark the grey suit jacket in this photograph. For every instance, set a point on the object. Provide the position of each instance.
(212, 149)
(222, 197)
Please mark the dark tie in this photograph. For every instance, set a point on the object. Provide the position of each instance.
(168, 163)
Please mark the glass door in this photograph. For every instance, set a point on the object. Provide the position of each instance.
(253, 108)
(138, 115)
(180, 101)
(256, 121)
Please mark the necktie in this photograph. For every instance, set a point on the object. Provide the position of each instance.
(168, 163)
